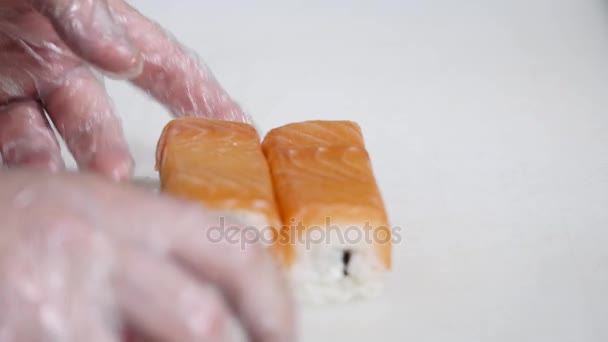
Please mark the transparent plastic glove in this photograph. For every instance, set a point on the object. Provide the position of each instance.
(81, 257)
(48, 49)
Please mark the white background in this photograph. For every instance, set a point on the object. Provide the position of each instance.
(487, 124)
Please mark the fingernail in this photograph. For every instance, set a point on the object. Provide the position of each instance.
(130, 61)
(115, 35)
(122, 171)
(136, 67)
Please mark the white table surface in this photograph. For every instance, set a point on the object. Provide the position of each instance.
(487, 124)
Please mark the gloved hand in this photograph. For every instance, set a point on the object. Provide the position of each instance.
(75, 261)
(48, 48)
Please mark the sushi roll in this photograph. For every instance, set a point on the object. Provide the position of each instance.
(335, 241)
(219, 164)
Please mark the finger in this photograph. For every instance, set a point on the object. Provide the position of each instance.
(26, 139)
(84, 116)
(24, 320)
(250, 279)
(91, 31)
(160, 300)
(246, 272)
(172, 75)
(54, 283)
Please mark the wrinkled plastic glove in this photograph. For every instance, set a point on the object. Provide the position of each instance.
(75, 263)
(48, 49)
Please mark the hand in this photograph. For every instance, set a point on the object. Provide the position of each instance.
(48, 49)
(74, 260)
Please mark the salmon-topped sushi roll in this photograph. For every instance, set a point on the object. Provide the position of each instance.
(219, 164)
(336, 240)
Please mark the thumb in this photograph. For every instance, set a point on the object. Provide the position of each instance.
(91, 31)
